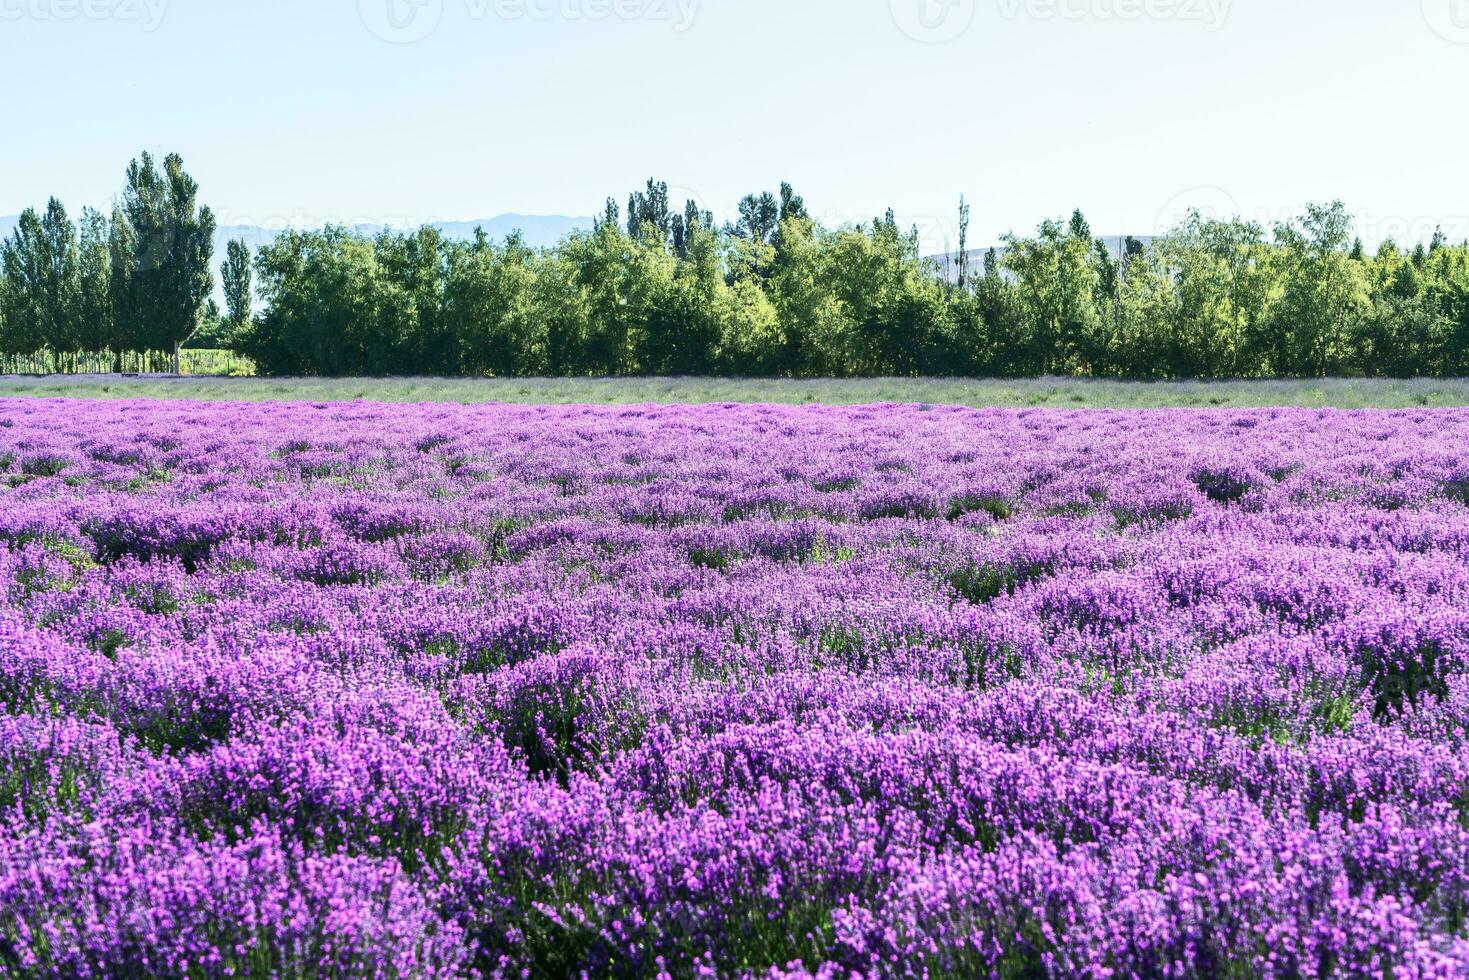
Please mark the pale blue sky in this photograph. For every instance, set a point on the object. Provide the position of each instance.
(296, 112)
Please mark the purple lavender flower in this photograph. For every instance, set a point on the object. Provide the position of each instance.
(738, 691)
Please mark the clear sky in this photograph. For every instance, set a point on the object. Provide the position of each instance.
(297, 111)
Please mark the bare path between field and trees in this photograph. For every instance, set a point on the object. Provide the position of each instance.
(1037, 392)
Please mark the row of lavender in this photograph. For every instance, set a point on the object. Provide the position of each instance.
(307, 690)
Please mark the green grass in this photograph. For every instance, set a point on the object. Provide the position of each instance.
(203, 360)
(1040, 392)
(192, 360)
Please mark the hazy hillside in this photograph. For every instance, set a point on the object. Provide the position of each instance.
(540, 230)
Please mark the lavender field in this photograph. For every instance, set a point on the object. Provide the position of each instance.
(310, 690)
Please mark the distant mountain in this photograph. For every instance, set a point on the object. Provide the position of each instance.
(540, 230)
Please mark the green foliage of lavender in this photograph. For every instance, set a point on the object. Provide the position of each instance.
(355, 690)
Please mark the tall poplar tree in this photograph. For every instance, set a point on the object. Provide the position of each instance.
(21, 260)
(60, 281)
(168, 271)
(121, 249)
(42, 285)
(94, 301)
(235, 277)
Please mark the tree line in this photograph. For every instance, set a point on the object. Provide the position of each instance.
(86, 295)
(653, 289)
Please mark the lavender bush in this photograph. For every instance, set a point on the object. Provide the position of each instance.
(347, 690)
